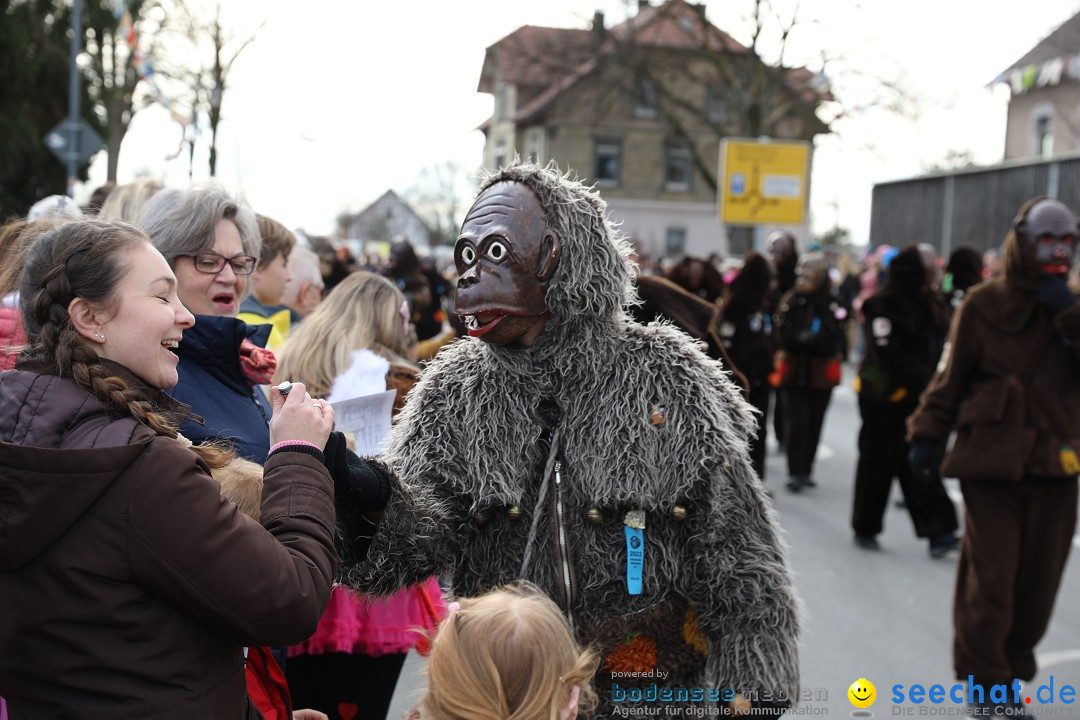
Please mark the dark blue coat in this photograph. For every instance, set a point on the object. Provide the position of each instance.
(214, 385)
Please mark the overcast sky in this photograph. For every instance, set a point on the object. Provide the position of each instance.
(337, 101)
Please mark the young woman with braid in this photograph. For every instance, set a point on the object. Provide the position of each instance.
(120, 561)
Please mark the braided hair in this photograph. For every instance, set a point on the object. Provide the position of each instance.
(86, 259)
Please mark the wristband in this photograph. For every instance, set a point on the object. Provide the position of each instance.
(299, 446)
(283, 443)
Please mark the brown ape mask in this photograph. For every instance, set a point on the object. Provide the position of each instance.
(506, 256)
(1047, 236)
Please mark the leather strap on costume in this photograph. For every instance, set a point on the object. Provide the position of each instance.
(549, 467)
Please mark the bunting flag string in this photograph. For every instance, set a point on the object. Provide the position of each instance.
(143, 68)
(1043, 74)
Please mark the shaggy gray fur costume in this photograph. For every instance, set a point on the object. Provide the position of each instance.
(467, 448)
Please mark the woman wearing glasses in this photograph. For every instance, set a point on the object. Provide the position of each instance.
(212, 243)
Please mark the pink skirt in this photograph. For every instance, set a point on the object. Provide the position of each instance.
(359, 624)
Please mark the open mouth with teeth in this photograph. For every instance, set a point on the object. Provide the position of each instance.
(482, 323)
(225, 301)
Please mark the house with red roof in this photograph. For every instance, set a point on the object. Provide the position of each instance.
(640, 109)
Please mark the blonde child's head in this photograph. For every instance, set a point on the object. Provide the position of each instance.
(508, 655)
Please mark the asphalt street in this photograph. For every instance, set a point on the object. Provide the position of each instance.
(883, 616)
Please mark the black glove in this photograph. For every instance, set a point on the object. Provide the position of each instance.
(1053, 293)
(924, 457)
(357, 484)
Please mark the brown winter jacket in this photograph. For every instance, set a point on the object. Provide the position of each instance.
(128, 586)
(1001, 418)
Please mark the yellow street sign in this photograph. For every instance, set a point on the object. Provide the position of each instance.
(763, 181)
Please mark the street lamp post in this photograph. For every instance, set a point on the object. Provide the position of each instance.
(73, 95)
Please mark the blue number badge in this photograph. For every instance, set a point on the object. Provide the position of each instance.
(634, 529)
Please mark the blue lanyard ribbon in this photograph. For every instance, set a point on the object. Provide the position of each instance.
(634, 530)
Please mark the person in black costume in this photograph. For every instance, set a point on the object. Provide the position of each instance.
(810, 323)
(785, 256)
(964, 270)
(699, 277)
(906, 322)
(746, 330)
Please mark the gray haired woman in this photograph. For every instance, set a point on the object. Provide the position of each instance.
(211, 241)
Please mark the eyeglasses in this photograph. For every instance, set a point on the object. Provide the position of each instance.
(212, 263)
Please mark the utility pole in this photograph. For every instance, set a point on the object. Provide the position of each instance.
(73, 141)
(73, 95)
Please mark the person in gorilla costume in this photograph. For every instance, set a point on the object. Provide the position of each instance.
(603, 460)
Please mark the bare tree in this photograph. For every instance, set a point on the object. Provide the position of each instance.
(110, 67)
(227, 46)
(211, 50)
(707, 86)
(441, 195)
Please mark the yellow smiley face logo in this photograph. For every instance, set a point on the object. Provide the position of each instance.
(862, 693)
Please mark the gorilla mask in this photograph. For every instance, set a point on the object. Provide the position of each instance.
(505, 257)
(1047, 236)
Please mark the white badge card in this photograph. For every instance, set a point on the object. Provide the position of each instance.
(367, 418)
(881, 327)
